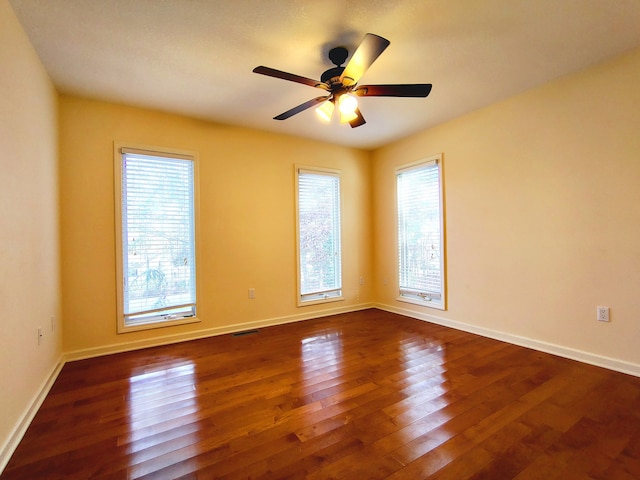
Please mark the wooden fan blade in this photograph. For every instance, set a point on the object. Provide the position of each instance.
(367, 52)
(356, 122)
(301, 107)
(272, 72)
(403, 90)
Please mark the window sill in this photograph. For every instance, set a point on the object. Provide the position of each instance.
(319, 301)
(154, 325)
(437, 304)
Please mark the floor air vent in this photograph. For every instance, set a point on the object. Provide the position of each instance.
(246, 332)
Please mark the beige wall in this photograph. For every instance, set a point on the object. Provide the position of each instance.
(542, 210)
(29, 247)
(247, 220)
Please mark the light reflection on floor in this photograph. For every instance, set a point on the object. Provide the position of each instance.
(425, 382)
(322, 352)
(161, 402)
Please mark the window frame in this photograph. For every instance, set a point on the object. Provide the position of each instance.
(417, 296)
(338, 293)
(120, 148)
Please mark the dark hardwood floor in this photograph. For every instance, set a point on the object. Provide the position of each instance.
(363, 395)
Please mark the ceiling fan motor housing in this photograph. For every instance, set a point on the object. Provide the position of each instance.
(332, 75)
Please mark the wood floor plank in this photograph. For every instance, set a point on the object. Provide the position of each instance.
(367, 394)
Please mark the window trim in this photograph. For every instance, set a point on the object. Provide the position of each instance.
(119, 148)
(408, 295)
(304, 300)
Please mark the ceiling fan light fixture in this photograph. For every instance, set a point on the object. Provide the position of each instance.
(325, 110)
(347, 104)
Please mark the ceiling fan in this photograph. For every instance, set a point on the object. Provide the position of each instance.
(341, 83)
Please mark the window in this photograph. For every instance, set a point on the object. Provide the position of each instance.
(421, 233)
(319, 261)
(155, 238)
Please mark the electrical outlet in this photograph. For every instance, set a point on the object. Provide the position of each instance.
(252, 293)
(361, 280)
(603, 314)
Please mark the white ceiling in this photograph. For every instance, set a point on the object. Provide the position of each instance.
(195, 57)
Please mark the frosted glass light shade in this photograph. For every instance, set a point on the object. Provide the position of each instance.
(347, 104)
(325, 110)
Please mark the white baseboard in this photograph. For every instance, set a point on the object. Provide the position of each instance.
(25, 420)
(210, 332)
(559, 350)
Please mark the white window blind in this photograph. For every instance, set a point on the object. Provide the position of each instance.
(320, 266)
(158, 237)
(420, 235)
